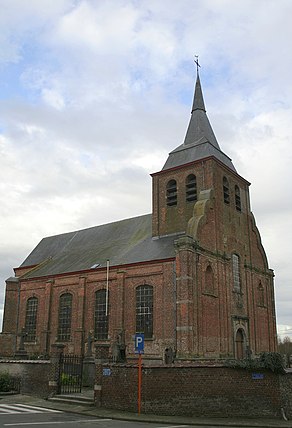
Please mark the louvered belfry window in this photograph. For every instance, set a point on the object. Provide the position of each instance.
(144, 310)
(31, 319)
(226, 194)
(237, 198)
(191, 188)
(100, 317)
(171, 193)
(65, 317)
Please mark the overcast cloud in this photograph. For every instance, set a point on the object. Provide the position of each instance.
(94, 94)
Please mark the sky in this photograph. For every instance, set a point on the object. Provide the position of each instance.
(94, 94)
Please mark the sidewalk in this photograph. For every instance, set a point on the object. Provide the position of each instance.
(114, 414)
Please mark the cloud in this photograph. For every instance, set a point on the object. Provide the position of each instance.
(95, 95)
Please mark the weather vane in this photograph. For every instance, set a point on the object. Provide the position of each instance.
(197, 62)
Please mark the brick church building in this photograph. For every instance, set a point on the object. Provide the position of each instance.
(192, 276)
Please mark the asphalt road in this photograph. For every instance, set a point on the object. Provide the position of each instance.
(25, 415)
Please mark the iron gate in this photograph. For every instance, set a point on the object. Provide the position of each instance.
(70, 376)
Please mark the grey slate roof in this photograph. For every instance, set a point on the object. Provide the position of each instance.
(200, 141)
(122, 242)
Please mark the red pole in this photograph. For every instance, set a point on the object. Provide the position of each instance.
(139, 382)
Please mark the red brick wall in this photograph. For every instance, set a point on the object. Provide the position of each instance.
(193, 391)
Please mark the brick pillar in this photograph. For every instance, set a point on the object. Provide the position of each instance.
(54, 381)
(101, 357)
(185, 249)
(46, 332)
(11, 314)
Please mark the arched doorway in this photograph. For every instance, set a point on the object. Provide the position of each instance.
(239, 344)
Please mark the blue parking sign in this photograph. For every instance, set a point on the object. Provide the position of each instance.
(139, 343)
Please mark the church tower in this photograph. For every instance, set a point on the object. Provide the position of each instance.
(224, 287)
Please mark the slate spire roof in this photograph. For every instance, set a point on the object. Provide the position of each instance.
(200, 141)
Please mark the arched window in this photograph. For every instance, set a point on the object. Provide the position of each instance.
(226, 195)
(209, 280)
(236, 272)
(237, 198)
(65, 315)
(171, 193)
(191, 188)
(31, 319)
(144, 310)
(100, 316)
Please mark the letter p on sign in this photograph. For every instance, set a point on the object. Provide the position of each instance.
(139, 343)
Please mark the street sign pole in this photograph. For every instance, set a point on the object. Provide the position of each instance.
(139, 349)
(139, 382)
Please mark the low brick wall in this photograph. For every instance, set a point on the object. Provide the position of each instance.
(195, 391)
(34, 375)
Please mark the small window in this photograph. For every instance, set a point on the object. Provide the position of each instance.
(191, 188)
(144, 310)
(226, 191)
(237, 199)
(31, 319)
(65, 316)
(236, 272)
(100, 315)
(171, 193)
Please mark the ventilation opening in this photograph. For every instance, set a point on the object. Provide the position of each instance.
(171, 193)
(191, 188)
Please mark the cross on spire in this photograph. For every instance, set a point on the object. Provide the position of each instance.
(196, 61)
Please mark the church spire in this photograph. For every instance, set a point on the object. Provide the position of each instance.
(200, 141)
(198, 103)
(199, 129)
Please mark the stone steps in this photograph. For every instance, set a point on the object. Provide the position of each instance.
(74, 399)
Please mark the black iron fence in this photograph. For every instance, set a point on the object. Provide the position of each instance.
(70, 376)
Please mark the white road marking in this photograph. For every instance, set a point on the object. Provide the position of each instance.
(41, 409)
(22, 408)
(174, 426)
(56, 422)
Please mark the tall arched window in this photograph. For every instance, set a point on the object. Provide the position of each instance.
(237, 198)
(209, 280)
(171, 193)
(144, 310)
(191, 188)
(65, 315)
(236, 272)
(31, 319)
(100, 316)
(226, 194)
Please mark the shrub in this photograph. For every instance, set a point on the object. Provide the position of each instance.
(266, 361)
(7, 382)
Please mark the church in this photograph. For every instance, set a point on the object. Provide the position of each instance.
(192, 276)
